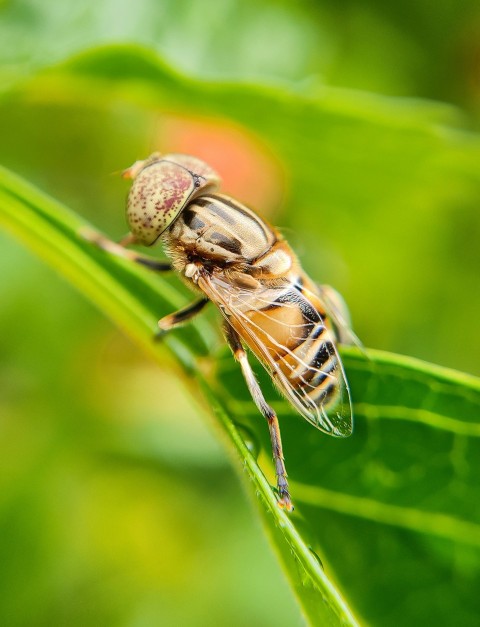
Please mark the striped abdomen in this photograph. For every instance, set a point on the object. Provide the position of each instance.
(298, 341)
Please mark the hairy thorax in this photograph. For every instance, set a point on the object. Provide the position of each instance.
(219, 235)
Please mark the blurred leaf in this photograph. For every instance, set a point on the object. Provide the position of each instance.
(135, 300)
(397, 499)
(375, 188)
(382, 195)
(384, 47)
(392, 509)
(190, 35)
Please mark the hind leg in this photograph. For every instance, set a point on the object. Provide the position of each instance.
(240, 355)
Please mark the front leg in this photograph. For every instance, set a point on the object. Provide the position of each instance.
(180, 317)
(240, 355)
(119, 250)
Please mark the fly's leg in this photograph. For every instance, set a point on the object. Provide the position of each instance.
(179, 317)
(240, 355)
(119, 250)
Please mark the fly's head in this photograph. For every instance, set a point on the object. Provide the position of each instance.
(162, 187)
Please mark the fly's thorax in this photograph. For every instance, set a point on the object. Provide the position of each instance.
(278, 263)
(217, 228)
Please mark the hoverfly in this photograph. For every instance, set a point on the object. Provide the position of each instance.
(224, 251)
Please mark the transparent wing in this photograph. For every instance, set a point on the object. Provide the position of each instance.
(337, 309)
(283, 328)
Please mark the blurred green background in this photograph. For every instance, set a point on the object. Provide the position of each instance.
(352, 126)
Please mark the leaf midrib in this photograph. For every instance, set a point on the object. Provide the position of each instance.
(419, 416)
(427, 523)
(387, 412)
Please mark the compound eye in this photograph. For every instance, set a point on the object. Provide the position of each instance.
(161, 190)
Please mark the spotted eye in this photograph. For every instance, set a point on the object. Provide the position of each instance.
(163, 186)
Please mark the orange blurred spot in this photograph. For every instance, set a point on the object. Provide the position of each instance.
(249, 172)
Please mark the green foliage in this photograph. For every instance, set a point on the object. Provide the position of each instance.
(405, 479)
(134, 300)
(375, 188)
(392, 510)
(116, 507)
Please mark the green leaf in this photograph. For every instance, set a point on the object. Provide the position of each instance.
(135, 300)
(310, 41)
(397, 500)
(387, 188)
(394, 508)
(372, 188)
